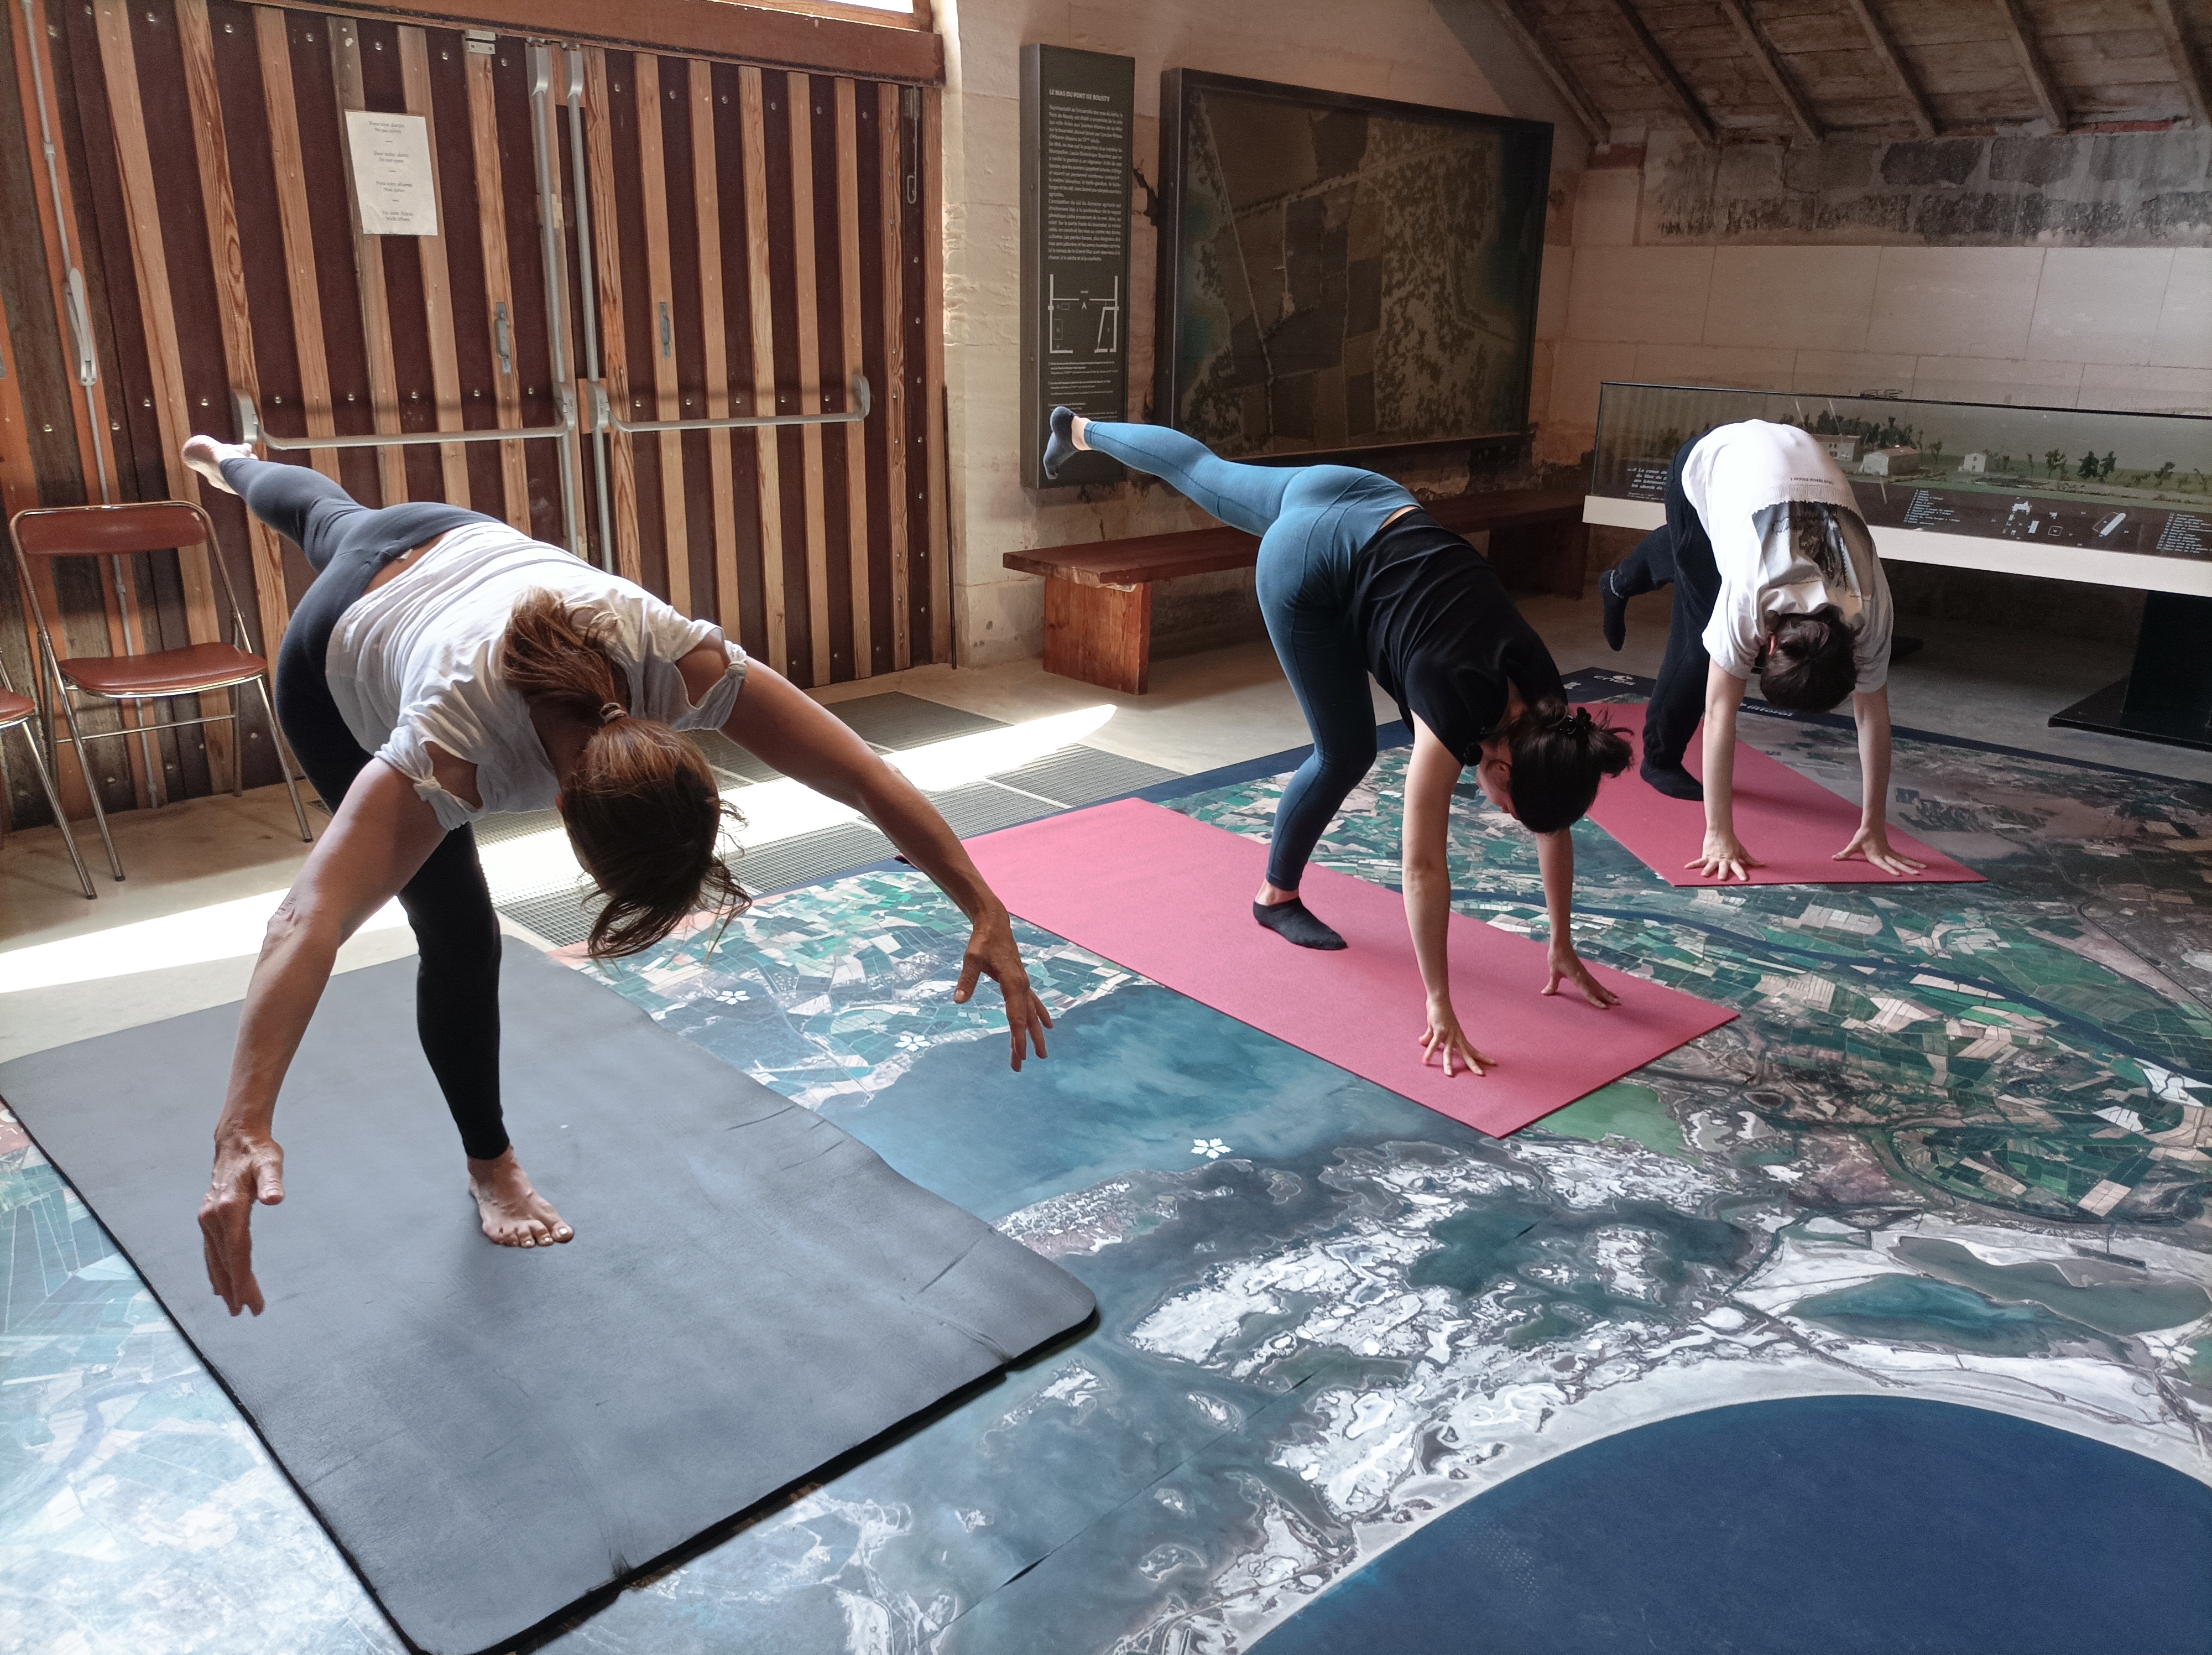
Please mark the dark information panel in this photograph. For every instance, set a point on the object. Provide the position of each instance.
(1078, 108)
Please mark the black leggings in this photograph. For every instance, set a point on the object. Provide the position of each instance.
(448, 902)
(1680, 554)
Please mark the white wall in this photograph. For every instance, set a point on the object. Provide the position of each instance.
(2089, 327)
(1403, 49)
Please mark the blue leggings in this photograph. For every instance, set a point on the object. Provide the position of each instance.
(1314, 522)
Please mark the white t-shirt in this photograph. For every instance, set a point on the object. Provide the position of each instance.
(417, 660)
(1774, 562)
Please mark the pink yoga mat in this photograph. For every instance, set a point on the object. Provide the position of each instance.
(1171, 899)
(1790, 821)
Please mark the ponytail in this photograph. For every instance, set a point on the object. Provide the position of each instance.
(643, 811)
(1558, 758)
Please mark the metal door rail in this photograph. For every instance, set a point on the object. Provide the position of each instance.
(250, 431)
(862, 403)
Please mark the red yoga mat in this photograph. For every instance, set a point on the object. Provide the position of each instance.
(1792, 823)
(1171, 899)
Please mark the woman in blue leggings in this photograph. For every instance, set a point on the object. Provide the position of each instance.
(1355, 578)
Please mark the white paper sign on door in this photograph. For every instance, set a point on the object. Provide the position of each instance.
(391, 175)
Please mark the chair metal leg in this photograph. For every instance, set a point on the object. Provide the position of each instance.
(91, 781)
(61, 817)
(283, 758)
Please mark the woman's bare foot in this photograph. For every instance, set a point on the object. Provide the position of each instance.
(206, 455)
(515, 1214)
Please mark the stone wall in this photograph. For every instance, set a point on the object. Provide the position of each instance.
(2085, 190)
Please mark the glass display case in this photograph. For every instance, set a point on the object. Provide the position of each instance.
(2070, 493)
(2065, 493)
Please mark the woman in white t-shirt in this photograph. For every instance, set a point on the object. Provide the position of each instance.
(443, 667)
(1774, 573)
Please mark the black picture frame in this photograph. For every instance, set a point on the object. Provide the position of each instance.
(1528, 148)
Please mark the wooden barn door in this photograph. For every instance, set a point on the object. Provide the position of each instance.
(759, 235)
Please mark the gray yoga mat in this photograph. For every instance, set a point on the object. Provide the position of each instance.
(492, 1433)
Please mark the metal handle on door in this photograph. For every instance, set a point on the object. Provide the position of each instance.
(862, 403)
(250, 430)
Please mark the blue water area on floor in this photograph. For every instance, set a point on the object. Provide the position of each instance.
(1834, 1525)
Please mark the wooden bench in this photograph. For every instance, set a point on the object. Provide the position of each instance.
(1098, 595)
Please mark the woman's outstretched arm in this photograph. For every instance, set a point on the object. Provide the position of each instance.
(1427, 861)
(1871, 711)
(1555, 856)
(789, 729)
(382, 834)
(1723, 854)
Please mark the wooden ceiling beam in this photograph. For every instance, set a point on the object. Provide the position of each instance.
(1762, 51)
(1523, 29)
(2033, 64)
(1885, 47)
(1663, 70)
(2187, 70)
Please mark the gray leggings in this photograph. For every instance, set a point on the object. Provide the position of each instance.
(1314, 523)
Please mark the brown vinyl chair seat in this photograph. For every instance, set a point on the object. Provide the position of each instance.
(165, 672)
(14, 708)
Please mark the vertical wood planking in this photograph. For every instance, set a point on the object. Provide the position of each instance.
(437, 286)
(856, 437)
(499, 282)
(369, 271)
(799, 100)
(754, 114)
(932, 420)
(652, 178)
(705, 190)
(614, 352)
(893, 396)
(150, 260)
(227, 257)
(278, 92)
(126, 617)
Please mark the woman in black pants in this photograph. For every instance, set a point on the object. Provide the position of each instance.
(444, 667)
(1774, 572)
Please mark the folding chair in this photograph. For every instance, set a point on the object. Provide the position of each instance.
(19, 712)
(144, 526)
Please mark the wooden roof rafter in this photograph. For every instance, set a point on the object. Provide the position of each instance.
(1885, 47)
(2020, 27)
(2187, 68)
(1764, 54)
(1662, 69)
(1563, 79)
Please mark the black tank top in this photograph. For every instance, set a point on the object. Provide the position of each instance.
(1441, 637)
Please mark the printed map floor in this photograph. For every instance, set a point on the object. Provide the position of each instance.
(1956, 1148)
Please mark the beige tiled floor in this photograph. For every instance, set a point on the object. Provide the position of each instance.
(1204, 711)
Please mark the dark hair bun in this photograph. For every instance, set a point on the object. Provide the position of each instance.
(1560, 756)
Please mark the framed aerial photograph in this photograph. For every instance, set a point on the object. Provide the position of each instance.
(1341, 275)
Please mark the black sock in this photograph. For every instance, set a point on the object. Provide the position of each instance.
(1675, 782)
(1616, 610)
(1293, 921)
(1059, 446)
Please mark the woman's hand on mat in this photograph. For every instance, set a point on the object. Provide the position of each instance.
(1724, 857)
(993, 952)
(1567, 967)
(248, 1170)
(1443, 1039)
(1872, 844)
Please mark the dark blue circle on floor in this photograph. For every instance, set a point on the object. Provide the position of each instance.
(1827, 1524)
